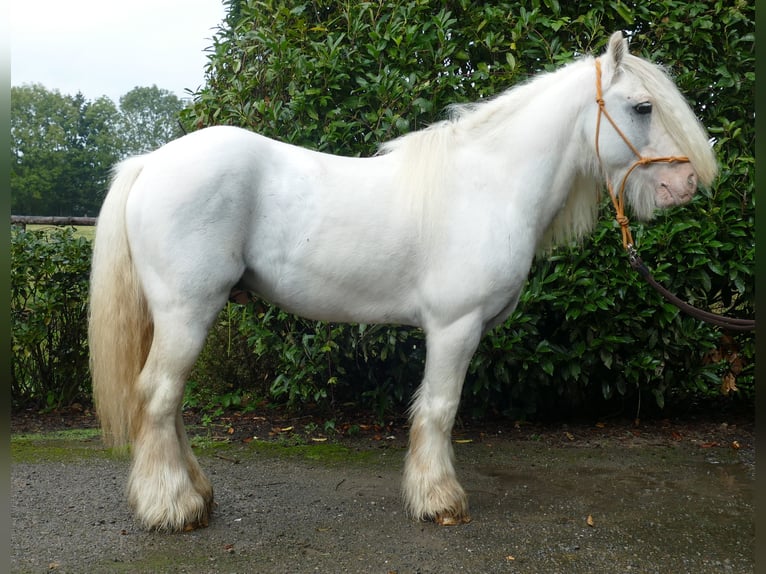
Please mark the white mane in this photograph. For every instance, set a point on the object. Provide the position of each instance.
(426, 153)
(482, 117)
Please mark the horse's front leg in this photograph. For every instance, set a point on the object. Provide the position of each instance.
(431, 489)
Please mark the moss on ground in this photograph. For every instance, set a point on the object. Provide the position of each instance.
(85, 444)
(59, 446)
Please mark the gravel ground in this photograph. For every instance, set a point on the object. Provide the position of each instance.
(568, 500)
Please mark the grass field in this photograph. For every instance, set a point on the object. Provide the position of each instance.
(87, 231)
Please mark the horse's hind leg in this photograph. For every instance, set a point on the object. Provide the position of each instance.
(431, 489)
(167, 489)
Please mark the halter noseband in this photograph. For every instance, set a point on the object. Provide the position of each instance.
(618, 200)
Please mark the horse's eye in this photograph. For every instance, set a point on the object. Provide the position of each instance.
(643, 108)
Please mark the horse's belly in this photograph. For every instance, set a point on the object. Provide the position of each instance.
(339, 293)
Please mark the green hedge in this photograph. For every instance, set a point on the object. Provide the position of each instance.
(49, 288)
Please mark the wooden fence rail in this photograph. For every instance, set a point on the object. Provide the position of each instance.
(25, 220)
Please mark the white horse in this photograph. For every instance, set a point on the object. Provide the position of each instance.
(437, 231)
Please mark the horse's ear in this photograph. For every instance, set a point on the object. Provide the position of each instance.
(612, 58)
(618, 47)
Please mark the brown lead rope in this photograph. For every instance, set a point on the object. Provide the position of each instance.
(618, 201)
(729, 323)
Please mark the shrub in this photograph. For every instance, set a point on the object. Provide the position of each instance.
(296, 362)
(227, 372)
(49, 287)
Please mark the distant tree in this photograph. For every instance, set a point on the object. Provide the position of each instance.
(40, 121)
(149, 119)
(61, 150)
(101, 149)
(63, 147)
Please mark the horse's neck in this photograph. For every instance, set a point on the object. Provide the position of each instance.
(541, 118)
(537, 149)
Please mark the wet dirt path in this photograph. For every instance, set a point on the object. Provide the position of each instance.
(598, 507)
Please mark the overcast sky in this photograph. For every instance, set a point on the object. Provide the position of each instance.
(106, 47)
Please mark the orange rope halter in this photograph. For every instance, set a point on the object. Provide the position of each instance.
(618, 200)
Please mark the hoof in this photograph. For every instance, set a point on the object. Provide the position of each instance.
(191, 526)
(179, 523)
(202, 521)
(451, 519)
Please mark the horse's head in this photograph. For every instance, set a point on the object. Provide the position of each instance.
(646, 136)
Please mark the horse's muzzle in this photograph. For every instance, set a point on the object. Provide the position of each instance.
(676, 186)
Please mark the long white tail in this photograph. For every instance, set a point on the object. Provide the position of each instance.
(120, 326)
